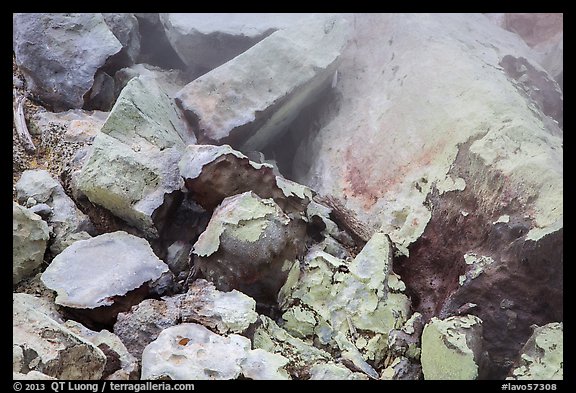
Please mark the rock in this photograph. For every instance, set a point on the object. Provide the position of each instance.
(144, 322)
(50, 348)
(32, 375)
(301, 356)
(332, 371)
(347, 305)
(44, 305)
(120, 364)
(171, 81)
(542, 356)
(68, 223)
(90, 273)
(155, 48)
(101, 95)
(29, 240)
(125, 28)
(78, 126)
(190, 351)
(59, 54)
(133, 164)
(250, 100)
(402, 368)
(178, 257)
(212, 173)
(205, 41)
(451, 348)
(222, 312)
(248, 246)
(407, 161)
(42, 209)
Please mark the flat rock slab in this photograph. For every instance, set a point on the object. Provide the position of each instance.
(91, 273)
(251, 99)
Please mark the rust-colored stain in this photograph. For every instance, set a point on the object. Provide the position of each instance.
(183, 341)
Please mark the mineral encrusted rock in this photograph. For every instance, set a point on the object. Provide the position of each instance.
(251, 99)
(48, 347)
(29, 240)
(451, 348)
(91, 273)
(542, 357)
(332, 371)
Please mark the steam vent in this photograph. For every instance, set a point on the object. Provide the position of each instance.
(288, 196)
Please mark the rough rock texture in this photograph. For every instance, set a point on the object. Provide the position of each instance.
(29, 240)
(301, 356)
(249, 245)
(431, 144)
(542, 357)
(347, 305)
(59, 54)
(32, 376)
(44, 345)
(120, 364)
(205, 41)
(212, 173)
(451, 348)
(190, 351)
(223, 312)
(171, 81)
(332, 371)
(144, 322)
(133, 164)
(402, 368)
(91, 273)
(252, 98)
(68, 223)
(125, 28)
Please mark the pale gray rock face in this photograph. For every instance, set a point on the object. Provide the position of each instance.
(43, 345)
(133, 164)
(68, 223)
(191, 352)
(171, 81)
(125, 28)
(251, 99)
(91, 273)
(542, 357)
(208, 40)
(29, 240)
(59, 54)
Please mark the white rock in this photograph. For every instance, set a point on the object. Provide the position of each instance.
(29, 240)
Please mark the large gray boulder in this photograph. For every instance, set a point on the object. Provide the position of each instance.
(446, 123)
(251, 99)
(206, 41)
(42, 344)
(59, 54)
(29, 240)
(133, 164)
(93, 273)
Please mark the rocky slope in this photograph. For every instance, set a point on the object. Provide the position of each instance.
(298, 196)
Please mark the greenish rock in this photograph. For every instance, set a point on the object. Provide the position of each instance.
(451, 348)
(334, 371)
(542, 357)
(134, 161)
(402, 368)
(29, 240)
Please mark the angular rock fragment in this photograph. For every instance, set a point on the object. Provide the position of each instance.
(451, 348)
(171, 81)
(125, 27)
(92, 273)
(143, 323)
(190, 351)
(59, 54)
(223, 312)
(68, 223)
(133, 165)
(50, 348)
(178, 257)
(250, 100)
(249, 245)
(332, 371)
(402, 368)
(542, 357)
(32, 375)
(29, 240)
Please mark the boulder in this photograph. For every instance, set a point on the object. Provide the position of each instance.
(542, 357)
(93, 273)
(125, 28)
(29, 240)
(205, 41)
(68, 223)
(190, 351)
(143, 323)
(223, 312)
(59, 54)
(48, 347)
(249, 245)
(251, 99)
(133, 164)
(451, 348)
(433, 152)
(171, 81)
